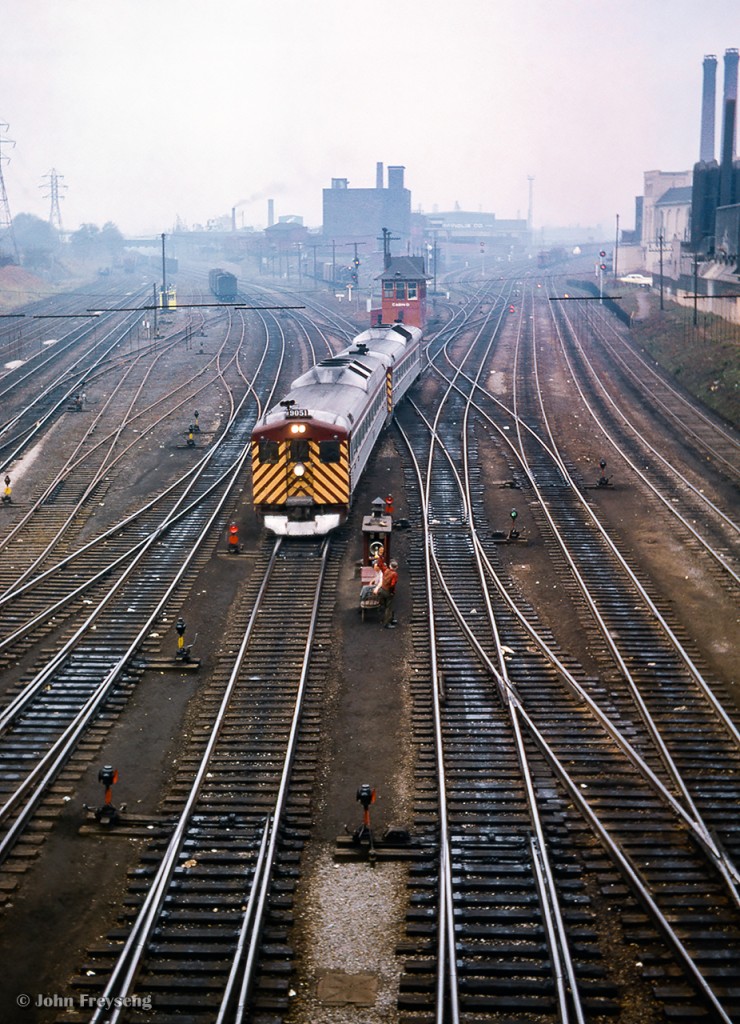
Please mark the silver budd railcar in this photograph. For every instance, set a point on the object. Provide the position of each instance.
(309, 451)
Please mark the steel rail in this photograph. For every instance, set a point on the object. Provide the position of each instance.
(701, 832)
(568, 997)
(98, 474)
(52, 762)
(608, 326)
(668, 632)
(630, 870)
(727, 869)
(194, 472)
(122, 976)
(41, 422)
(646, 445)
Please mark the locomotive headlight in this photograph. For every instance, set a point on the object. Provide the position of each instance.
(299, 469)
(298, 428)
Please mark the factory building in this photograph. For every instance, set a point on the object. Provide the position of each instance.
(360, 214)
(716, 184)
(688, 222)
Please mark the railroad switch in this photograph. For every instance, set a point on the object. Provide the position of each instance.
(191, 436)
(394, 843)
(513, 532)
(389, 505)
(196, 427)
(603, 481)
(8, 491)
(233, 541)
(512, 536)
(183, 651)
(108, 775)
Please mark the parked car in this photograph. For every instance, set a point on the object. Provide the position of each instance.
(640, 279)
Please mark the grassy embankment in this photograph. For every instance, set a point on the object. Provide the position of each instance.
(704, 357)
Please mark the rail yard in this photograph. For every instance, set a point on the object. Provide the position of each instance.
(229, 796)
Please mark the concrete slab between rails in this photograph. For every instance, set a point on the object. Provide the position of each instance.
(349, 848)
(125, 826)
(172, 665)
(337, 988)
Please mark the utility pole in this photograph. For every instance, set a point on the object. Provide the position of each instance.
(355, 273)
(530, 209)
(315, 273)
(8, 248)
(616, 250)
(435, 252)
(164, 276)
(55, 215)
(660, 242)
(386, 240)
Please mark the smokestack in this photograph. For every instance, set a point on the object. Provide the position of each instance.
(395, 177)
(233, 218)
(708, 106)
(270, 212)
(379, 175)
(729, 108)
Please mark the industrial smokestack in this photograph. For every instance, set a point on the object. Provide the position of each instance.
(708, 106)
(729, 109)
(270, 212)
(730, 91)
(395, 176)
(379, 174)
(233, 218)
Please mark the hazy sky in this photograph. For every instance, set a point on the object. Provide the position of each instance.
(154, 109)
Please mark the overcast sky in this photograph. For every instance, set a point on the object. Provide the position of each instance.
(158, 109)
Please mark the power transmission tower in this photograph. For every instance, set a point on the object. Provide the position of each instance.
(8, 248)
(54, 186)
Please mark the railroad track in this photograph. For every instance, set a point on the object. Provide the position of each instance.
(206, 925)
(117, 604)
(556, 838)
(601, 797)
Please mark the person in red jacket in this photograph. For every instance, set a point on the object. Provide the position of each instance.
(387, 594)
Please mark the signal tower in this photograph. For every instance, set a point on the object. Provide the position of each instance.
(54, 186)
(8, 248)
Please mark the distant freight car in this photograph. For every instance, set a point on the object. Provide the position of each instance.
(223, 285)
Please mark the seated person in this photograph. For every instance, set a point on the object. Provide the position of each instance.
(370, 589)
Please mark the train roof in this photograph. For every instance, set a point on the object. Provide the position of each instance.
(370, 352)
(333, 391)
